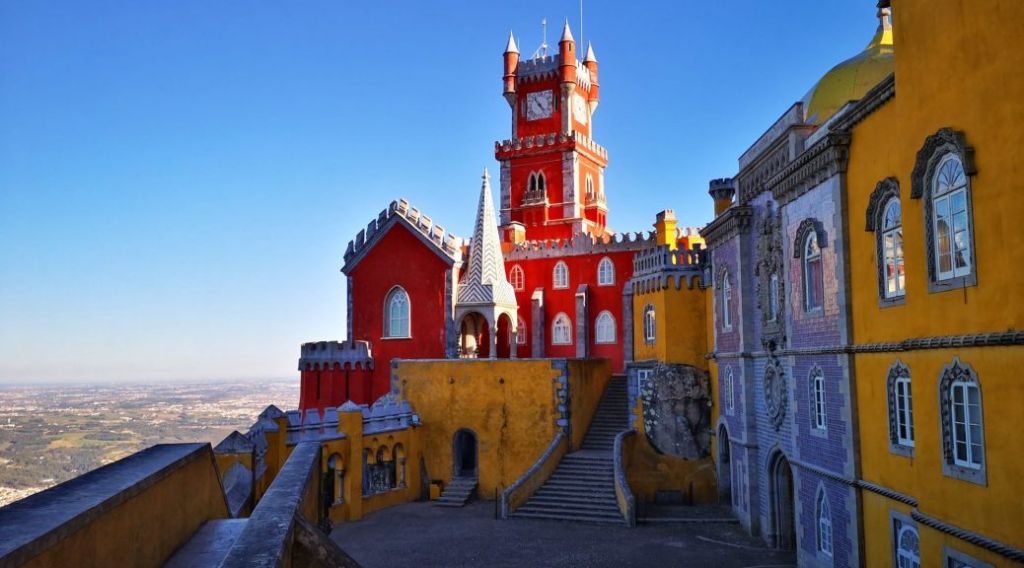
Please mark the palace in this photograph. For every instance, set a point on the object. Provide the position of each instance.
(831, 357)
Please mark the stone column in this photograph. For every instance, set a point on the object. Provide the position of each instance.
(582, 322)
(539, 325)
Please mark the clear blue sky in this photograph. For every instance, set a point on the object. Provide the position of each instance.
(178, 180)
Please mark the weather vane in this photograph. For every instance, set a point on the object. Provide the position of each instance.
(542, 51)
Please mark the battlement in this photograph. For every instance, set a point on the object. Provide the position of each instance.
(553, 140)
(581, 244)
(662, 259)
(326, 354)
(538, 68)
(447, 242)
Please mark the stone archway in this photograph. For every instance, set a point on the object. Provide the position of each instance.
(782, 501)
(724, 466)
(465, 458)
(506, 337)
(474, 336)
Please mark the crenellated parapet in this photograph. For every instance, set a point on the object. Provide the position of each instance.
(555, 141)
(326, 354)
(581, 244)
(401, 211)
(388, 414)
(660, 267)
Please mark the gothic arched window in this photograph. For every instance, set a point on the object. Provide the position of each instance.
(521, 332)
(951, 220)
(517, 278)
(824, 523)
(891, 237)
(605, 272)
(561, 330)
(963, 435)
(604, 328)
(813, 285)
(396, 313)
(560, 276)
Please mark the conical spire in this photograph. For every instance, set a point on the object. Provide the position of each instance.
(590, 53)
(485, 281)
(566, 33)
(511, 47)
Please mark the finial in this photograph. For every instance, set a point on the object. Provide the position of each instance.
(486, 175)
(566, 33)
(511, 47)
(590, 53)
(542, 51)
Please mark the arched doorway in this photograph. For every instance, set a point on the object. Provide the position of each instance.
(464, 454)
(504, 336)
(724, 467)
(783, 525)
(474, 337)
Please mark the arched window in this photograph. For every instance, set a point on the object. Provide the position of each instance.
(729, 391)
(560, 276)
(649, 325)
(521, 331)
(817, 380)
(908, 547)
(901, 409)
(604, 328)
(516, 277)
(590, 187)
(605, 272)
(951, 220)
(813, 286)
(824, 523)
(561, 330)
(396, 313)
(962, 423)
(891, 245)
(726, 301)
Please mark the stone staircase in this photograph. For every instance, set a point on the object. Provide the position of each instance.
(458, 492)
(582, 487)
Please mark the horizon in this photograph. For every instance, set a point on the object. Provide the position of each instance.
(178, 183)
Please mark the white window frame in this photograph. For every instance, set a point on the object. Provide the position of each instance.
(906, 557)
(521, 331)
(517, 278)
(904, 398)
(604, 328)
(606, 272)
(650, 325)
(971, 419)
(561, 330)
(819, 420)
(730, 391)
(808, 258)
(726, 302)
(396, 293)
(560, 276)
(947, 197)
(824, 515)
(891, 246)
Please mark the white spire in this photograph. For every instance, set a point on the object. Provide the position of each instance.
(590, 53)
(485, 281)
(511, 47)
(566, 33)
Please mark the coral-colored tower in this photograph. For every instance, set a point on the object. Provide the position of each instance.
(552, 172)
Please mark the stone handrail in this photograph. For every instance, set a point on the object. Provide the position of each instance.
(623, 494)
(517, 493)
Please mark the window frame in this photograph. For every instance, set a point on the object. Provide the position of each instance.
(606, 264)
(899, 525)
(901, 409)
(948, 196)
(650, 325)
(729, 393)
(517, 278)
(726, 301)
(819, 406)
(823, 527)
(564, 285)
(555, 325)
(609, 320)
(809, 286)
(898, 258)
(960, 376)
(521, 332)
(388, 322)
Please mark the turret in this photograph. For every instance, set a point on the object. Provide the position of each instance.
(511, 64)
(567, 55)
(590, 62)
(722, 191)
(665, 229)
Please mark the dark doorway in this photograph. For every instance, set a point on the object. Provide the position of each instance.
(724, 467)
(464, 453)
(782, 504)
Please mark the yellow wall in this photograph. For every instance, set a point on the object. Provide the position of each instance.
(587, 382)
(510, 405)
(147, 528)
(680, 325)
(957, 65)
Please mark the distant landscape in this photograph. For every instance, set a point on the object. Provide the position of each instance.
(49, 434)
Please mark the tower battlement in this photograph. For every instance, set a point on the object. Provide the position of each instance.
(326, 354)
(448, 242)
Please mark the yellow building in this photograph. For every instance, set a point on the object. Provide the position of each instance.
(933, 186)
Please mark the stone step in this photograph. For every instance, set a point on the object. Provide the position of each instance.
(585, 492)
(605, 503)
(584, 469)
(565, 508)
(555, 504)
(573, 516)
(602, 484)
(581, 474)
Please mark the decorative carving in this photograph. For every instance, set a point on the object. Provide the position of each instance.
(769, 263)
(884, 191)
(897, 371)
(936, 146)
(806, 226)
(677, 415)
(955, 372)
(776, 392)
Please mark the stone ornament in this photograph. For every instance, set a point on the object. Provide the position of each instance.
(676, 410)
(776, 393)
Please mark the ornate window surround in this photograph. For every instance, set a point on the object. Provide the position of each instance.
(807, 227)
(729, 391)
(936, 147)
(885, 191)
(776, 392)
(899, 372)
(725, 286)
(823, 517)
(769, 266)
(953, 373)
(899, 524)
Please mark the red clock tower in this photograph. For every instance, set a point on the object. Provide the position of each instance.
(552, 171)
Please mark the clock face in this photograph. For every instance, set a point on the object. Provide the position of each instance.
(579, 108)
(539, 105)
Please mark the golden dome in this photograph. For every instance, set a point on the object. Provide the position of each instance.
(852, 78)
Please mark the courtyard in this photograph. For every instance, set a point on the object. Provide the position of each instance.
(421, 534)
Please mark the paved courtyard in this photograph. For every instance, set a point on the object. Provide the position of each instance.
(420, 535)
